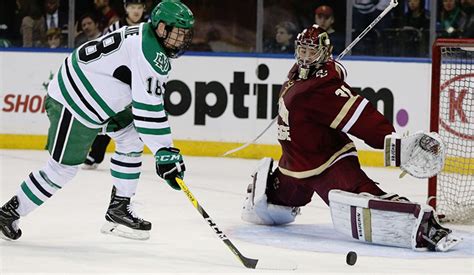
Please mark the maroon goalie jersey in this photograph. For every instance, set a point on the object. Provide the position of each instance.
(315, 116)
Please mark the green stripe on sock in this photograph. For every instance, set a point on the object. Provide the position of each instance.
(131, 154)
(148, 131)
(48, 181)
(30, 194)
(147, 107)
(124, 176)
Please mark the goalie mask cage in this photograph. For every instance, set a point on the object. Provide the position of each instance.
(451, 192)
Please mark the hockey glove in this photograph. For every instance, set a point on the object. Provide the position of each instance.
(169, 165)
(421, 155)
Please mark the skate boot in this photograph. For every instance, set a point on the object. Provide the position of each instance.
(121, 220)
(90, 164)
(439, 238)
(9, 219)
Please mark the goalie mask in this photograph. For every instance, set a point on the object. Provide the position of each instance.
(179, 22)
(312, 49)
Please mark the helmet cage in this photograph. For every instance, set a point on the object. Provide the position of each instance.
(310, 51)
(177, 40)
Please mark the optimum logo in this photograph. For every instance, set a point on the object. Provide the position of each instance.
(456, 104)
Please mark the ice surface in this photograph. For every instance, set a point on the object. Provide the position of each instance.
(62, 236)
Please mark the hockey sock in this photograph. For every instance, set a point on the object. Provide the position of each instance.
(42, 184)
(125, 170)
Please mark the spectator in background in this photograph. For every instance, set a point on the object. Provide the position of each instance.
(452, 19)
(89, 29)
(9, 34)
(284, 41)
(53, 37)
(365, 11)
(134, 15)
(416, 16)
(324, 17)
(33, 27)
(54, 17)
(108, 13)
(468, 7)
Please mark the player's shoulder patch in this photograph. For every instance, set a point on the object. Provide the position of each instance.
(153, 51)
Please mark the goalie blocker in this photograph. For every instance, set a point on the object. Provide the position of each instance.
(367, 218)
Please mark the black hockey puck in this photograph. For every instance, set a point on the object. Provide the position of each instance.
(351, 258)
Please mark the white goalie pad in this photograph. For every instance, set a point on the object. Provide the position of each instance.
(421, 155)
(256, 209)
(370, 219)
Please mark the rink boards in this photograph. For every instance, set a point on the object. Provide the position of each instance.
(216, 103)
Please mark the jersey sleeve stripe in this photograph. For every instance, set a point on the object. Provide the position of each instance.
(355, 116)
(89, 87)
(71, 102)
(79, 94)
(150, 119)
(343, 112)
(147, 107)
(149, 131)
(343, 70)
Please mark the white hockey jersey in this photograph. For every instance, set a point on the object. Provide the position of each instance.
(105, 76)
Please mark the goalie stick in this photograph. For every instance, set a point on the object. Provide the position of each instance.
(247, 262)
(393, 3)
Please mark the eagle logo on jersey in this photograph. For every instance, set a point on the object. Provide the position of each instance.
(162, 62)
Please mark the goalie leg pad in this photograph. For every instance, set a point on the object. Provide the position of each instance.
(394, 223)
(265, 213)
(256, 209)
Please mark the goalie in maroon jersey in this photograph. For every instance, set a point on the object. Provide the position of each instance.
(317, 111)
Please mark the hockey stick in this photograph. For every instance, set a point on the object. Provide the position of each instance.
(247, 262)
(393, 3)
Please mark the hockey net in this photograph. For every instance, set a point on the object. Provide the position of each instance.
(452, 115)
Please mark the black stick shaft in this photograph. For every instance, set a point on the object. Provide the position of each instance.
(247, 262)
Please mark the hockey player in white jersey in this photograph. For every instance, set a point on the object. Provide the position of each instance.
(114, 84)
(134, 15)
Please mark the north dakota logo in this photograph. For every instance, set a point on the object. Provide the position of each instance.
(162, 62)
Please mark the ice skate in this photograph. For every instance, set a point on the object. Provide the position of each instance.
(121, 220)
(439, 238)
(9, 219)
(90, 164)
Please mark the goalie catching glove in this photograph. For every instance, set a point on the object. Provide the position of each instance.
(169, 165)
(420, 155)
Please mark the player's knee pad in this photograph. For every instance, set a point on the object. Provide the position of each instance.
(256, 209)
(57, 173)
(374, 220)
(127, 140)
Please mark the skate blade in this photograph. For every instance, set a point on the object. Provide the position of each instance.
(124, 232)
(447, 243)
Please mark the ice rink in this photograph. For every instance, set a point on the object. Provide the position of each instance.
(62, 236)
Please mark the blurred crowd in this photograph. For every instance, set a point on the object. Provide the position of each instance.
(231, 26)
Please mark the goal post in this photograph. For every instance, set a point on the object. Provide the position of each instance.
(451, 192)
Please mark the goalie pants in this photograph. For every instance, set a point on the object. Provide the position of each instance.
(345, 175)
(69, 142)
